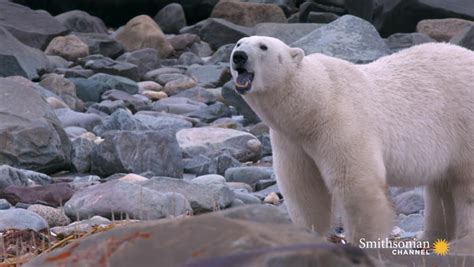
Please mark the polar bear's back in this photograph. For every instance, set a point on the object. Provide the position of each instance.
(422, 102)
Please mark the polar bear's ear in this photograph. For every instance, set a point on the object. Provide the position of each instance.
(297, 54)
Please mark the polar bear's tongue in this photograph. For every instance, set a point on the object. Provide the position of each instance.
(244, 81)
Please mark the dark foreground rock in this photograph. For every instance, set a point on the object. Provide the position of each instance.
(209, 240)
(32, 137)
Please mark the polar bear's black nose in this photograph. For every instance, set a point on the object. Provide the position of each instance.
(239, 57)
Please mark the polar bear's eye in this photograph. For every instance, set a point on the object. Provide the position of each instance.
(263, 47)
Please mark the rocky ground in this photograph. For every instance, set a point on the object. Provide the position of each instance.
(103, 128)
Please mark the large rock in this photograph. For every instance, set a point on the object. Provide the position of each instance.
(287, 32)
(392, 16)
(20, 59)
(138, 152)
(101, 64)
(207, 240)
(248, 14)
(90, 90)
(171, 18)
(33, 28)
(202, 197)
(68, 47)
(21, 219)
(118, 199)
(218, 32)
(349, 38)
(143, 32)
(399, 41)
(211, 142)
(31, 134)
(116, 82)
(80, 21)
(13, 176)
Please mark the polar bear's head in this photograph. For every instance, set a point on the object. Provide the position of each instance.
(261, 63)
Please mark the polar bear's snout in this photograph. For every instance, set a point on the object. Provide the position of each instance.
(243, 78)
(240, 58)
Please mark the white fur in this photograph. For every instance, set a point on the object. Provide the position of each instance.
(344, 132)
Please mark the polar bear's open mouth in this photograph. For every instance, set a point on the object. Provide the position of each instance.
(243, 83)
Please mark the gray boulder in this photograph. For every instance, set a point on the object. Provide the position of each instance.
(30, 140)
(349, 38)
(13, 176)
(80, 21)
(146, 59)
(70, 118)
(171, 18)
(232, 98)
(21, 219)
(465, 38)
(31, 27)
(286, 32)
(19, 59)
(118, 199)
(138, 152)
(202, 197)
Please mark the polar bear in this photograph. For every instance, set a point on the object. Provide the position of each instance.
(345, 132)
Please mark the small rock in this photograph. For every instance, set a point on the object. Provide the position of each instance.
(4, 204)
(409, 202)
(53, 216)
(248, 14)
(442, 30)
(247, 198)
(154, 95)
(214, 141)
(410, 223)
(102, 44)
(232, 98)
(210, 113)
(248, 175)
(218, 32)
(52, 195)
(189, 58)
(209, 179)
(184, 42)
(82, 154)
(198, 94)
(83, 226)
(69, 47)
(133, 178)
(177, 105)
(145, 59)
(149, 86)
(399, 41)
(116, 82)
(21, 219)
(209, 76)
(176, 86)
(101, 64)
(272, 198)
(321, 17)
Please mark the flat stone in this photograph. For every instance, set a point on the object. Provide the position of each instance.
(21, 219)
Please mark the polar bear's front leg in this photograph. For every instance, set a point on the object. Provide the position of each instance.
(304, 192)
(355, 175)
